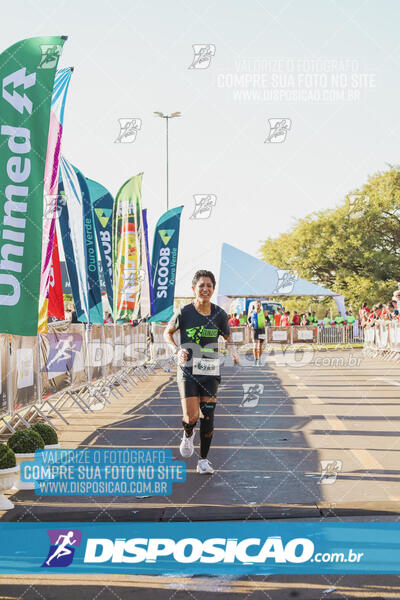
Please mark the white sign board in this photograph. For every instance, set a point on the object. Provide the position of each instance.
(279, 336)
(304, 334)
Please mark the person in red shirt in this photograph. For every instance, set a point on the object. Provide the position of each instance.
(285, 320)
(364, 313)
(234, 321)
(296, 318)
(277, 318)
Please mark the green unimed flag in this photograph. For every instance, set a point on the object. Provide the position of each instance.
(27, 72)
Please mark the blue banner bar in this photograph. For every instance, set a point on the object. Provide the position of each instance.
(216, 548)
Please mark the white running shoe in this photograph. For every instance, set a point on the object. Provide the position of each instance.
(204, 467)
(187, 445)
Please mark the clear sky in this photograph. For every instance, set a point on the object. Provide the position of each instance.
(332, 65)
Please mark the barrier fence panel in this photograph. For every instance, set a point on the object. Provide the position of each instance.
(382, 340)
(119, 345)
(80, 374)
(129, 344)
(160, 351)
(281, 335)
(4, 352)
(96, 354)
(23, 371)
(109, 346)
(306, 334)
(394, 337)
(56, 351)
(240, 335)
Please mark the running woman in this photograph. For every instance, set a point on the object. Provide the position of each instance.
(257, 323)
(200, 324)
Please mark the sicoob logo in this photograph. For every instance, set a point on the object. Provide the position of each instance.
(62, 547)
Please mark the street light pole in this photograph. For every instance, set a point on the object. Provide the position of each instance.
(167, 117)
(166, 123)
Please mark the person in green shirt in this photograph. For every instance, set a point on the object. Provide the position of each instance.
(243, 318)
(327, 321)
(350, 318)
(339, 320)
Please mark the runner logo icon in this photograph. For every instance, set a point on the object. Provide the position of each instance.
(203, 54)
(128, 129)
(62, 547)
(286, 282)
(50, 56)
(203, 205)
(329, 471)
(251, 394)
(278, 129)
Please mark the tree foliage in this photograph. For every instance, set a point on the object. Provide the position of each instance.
(353, 249)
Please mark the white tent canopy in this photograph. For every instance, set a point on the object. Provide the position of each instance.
(244, 275)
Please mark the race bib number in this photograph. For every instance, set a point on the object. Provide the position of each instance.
(206, 366)
(261, 336)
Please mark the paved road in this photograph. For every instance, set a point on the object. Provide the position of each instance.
(267, 451)
(268, 446)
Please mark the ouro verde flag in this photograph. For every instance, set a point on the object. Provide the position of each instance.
(27, 72)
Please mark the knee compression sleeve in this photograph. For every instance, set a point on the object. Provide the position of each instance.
(188, 427)
(206, 427)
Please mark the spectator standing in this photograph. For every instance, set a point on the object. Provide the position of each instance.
(296, 318)
(234, 321)
(243, 318)
(326, 320)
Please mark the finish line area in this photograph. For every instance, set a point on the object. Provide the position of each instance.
(292, 440)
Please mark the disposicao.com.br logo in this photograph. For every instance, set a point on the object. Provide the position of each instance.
(62, 547)
(247, 551)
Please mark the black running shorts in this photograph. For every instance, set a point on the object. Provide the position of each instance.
(198, 386)
(257, 333)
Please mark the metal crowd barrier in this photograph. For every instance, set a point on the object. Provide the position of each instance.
(78, 366)
(302, 334)
(382, 340)
(341, 334)
(70, 366)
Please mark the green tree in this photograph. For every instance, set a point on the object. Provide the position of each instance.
(353, 249)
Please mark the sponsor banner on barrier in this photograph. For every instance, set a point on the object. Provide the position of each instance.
(57, 351)
(278, 334)
(23, 370)
(79, 354)
(3, 373)
(211, 548)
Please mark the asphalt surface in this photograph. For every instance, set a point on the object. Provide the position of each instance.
(316, 438)
(317, 435)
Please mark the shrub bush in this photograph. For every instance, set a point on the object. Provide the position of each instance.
(7, 457)
(25, 441)
(48, 434)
